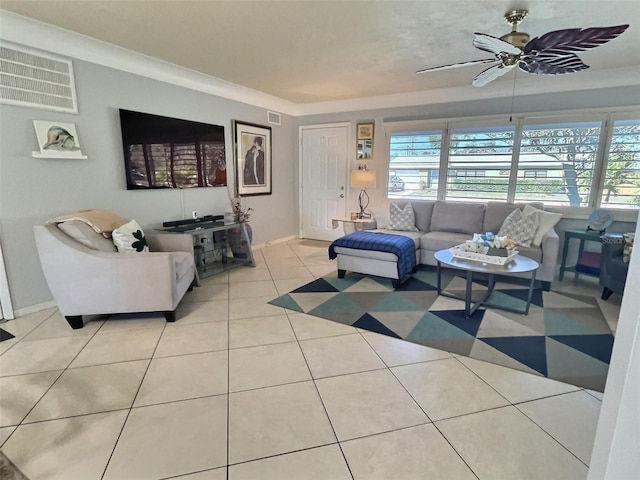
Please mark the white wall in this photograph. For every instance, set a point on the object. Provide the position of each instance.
(583, 99)
(35, 190)
(615, 451)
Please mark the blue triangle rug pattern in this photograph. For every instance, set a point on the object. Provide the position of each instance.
(571, 344)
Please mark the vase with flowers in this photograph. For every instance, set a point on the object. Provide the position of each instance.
(240, 236)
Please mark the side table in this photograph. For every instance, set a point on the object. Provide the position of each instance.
(350, 226)
(583, 236)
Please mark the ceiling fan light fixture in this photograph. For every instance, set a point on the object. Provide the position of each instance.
(513, 18)
(517, 39)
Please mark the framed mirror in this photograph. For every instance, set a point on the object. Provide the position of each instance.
(364, 139)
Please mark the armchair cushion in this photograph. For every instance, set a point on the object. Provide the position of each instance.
(129, 238)
(102, 221)
(82, 233)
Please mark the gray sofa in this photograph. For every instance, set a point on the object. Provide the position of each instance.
(444, 224)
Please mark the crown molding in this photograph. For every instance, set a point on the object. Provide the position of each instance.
(31, 33)
(529, 85)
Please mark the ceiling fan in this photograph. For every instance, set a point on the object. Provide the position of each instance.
(549, 54)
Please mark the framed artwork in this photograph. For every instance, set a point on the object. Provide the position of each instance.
(252, 159)
(57, 140)
(364, 139)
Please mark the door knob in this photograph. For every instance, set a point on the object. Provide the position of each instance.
(342, 195)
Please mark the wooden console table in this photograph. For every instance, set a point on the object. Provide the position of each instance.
(211, 246)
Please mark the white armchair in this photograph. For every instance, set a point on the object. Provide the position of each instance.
(93, 281)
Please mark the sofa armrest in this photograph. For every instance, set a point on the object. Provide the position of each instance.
(550, 246)
(170, 242)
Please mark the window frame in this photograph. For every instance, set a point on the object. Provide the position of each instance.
(607, 117)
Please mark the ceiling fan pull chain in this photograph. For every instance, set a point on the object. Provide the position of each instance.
(513, 94)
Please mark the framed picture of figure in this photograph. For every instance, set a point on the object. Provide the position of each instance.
(252, 159)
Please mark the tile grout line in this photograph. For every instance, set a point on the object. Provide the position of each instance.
(324, 407)
(133, 401)
(550, 435)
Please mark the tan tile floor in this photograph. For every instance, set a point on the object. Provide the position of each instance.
(240, 389)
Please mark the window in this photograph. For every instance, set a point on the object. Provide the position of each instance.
(563, 161)
(621, 187)
(414, 164)
(476, 157)
(567, 153)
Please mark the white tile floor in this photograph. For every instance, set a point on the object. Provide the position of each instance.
(240, 389)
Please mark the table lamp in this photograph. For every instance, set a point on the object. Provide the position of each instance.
(363, 178)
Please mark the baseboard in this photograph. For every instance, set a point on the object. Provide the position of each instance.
(258, 246)
(34, 308)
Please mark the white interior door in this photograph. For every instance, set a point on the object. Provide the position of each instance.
(324, 161)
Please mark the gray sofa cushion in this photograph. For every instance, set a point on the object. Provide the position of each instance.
(423, 212)
(496, 212)
(441, 240)
(457, 217)
(532, 252)
(414, 235)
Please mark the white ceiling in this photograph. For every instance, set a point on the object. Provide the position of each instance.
(320, 51)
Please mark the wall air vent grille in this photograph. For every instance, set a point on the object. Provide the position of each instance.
(273, 118)
(33, 79)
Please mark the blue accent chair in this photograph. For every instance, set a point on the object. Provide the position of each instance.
(613, 270)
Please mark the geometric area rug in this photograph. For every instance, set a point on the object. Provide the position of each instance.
(564, 337)
(4, 335)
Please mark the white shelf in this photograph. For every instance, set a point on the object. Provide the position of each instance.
(41, 155)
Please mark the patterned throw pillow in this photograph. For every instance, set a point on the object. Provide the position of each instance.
(402, 219)
(129, 238)
(520, 228)
(628, 247)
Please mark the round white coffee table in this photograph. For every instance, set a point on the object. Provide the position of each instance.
(519, 264)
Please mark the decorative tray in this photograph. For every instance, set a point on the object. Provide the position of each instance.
(460, 251)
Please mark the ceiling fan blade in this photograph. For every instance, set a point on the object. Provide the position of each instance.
(456, 65)
(574, 39)
(552, 64)
(490, 74)
(494, 45)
